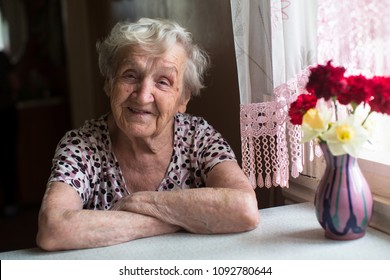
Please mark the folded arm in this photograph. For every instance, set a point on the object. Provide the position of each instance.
(228, 204)
(63, 224)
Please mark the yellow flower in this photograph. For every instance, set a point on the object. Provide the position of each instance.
(345, 133)
(313, 119)
(316, 121)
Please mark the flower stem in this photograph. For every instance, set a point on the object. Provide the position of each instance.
(369, 113)
(335, 109)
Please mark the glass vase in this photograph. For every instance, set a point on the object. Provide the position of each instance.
(343, 199)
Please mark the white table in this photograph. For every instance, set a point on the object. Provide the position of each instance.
(285, 233)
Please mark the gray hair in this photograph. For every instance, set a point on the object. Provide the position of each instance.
(154, 37)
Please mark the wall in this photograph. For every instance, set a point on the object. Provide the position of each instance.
(208, 20)
(40, 90)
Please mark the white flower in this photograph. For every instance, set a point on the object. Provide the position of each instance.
(316, 121)
(368, 120)
(346, 136)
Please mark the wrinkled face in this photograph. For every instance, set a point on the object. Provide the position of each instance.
(147, 92)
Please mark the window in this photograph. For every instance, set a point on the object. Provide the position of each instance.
(375, 157)
(354, 35)
(3, 32)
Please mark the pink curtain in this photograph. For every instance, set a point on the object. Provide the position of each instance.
(355, 34)
(276, 43)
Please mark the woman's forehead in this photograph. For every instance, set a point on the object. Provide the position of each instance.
(173, 59)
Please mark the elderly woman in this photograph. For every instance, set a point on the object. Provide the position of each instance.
(150, 168)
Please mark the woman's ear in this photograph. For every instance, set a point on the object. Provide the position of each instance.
(107, 87)
(184, 101)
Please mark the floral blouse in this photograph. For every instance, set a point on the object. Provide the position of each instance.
(85, 161)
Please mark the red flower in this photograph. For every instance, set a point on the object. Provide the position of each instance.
(380, 91)
(326, 81)
(329, 82)
(355, 91)
(300, 106)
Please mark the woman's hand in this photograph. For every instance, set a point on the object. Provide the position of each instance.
(63, 224)
(228, 205)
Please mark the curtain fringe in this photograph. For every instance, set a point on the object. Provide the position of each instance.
(271, 148)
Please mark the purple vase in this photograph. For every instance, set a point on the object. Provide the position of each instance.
(343, 200)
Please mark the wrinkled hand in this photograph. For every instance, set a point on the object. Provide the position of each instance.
(131, 204)
(120, 205)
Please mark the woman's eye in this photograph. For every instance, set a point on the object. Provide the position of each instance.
(164, 82)
(129, 77)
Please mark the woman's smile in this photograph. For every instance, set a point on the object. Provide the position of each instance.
(139, 112)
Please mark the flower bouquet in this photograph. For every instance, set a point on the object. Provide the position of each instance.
(329, 89)
(343, 199)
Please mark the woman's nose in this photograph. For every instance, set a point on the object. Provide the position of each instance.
(143, 92)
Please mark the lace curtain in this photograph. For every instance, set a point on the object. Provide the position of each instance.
(355, 34)
(276, 41)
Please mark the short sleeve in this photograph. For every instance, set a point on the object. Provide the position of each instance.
(211, 148)
(198, 148)
(84, 160)
(71, 163)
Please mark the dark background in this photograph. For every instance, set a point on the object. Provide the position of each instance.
(52, 49)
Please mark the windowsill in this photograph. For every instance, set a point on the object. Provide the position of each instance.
(381, 218)
(302, 189)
